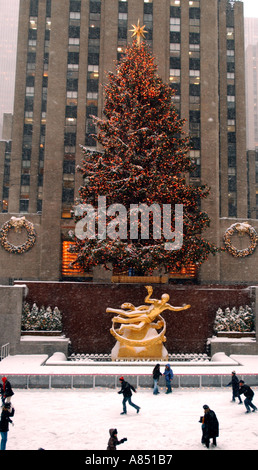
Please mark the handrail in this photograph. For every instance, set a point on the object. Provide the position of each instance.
(5, 349)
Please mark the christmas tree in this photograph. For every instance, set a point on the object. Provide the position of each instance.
(144, 159)
(40, 319)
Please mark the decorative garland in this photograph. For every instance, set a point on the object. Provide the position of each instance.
(240, 228)
(17, 223)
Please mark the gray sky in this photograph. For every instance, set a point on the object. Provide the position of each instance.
(251, 8)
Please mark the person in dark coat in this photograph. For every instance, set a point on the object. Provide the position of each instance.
(235, 387)
(156, 375)
(168, 377)
(126, 390)
(210, 427)
(249, 394)
(7, 413)
(113, 440)
(6, 390)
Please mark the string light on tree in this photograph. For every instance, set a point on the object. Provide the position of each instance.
(145, 160)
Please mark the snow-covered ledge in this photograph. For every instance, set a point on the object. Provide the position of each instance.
(243, 345)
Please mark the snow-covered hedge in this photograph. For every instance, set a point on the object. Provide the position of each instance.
(40, 319)
(241, 319)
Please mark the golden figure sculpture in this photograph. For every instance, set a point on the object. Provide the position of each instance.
(141, 330)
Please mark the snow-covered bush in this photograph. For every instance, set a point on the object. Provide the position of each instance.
(241, 319)
(40, 319)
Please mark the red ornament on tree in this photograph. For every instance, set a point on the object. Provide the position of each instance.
(145, 159)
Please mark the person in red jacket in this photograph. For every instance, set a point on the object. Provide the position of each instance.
(6, 390)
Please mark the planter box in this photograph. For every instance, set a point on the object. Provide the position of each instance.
(236, 334)
(140, 279)
(40, 333)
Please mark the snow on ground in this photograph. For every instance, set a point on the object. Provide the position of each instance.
(80, 419)
(72, 419)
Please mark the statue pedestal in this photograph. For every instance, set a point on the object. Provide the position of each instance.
(155, 352)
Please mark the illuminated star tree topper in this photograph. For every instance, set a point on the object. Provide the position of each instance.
(138, 32)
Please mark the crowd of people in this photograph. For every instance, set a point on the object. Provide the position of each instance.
(209, 421)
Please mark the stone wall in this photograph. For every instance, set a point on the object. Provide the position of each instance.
(11, 299)
(87, 325)
(25, 265)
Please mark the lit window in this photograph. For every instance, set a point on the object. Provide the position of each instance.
(33, 22)
(74, 15)
(92, 96)
(74, 41)
(174, 24)
(68, 258)
(194, 73)
(230, 33)
(122, 16)
(72, 94)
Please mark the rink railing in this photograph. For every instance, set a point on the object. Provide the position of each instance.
(89, 381)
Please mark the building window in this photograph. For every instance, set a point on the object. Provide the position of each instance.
(67, 259)
(175, 49)
(194, 3)
(33, 23)
(194, 25)
(33, 7)
(175, 24)
(24, 205)
(148, 20)
(175, 3)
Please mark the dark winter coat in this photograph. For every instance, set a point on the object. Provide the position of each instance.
(235, 383)
(126, 389)
(156, 372)
(247, 391)
(168, 373)
(6, 389)
(5, 419)
(211, 425)
(113, 441)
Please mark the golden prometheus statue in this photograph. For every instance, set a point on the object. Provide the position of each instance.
(140, 331)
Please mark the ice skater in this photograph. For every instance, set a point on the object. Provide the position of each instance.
(113, 440)
(6, 390)
(7, 413)
(156, 374)
(126, 390)
(249, 394)
(168, 377)
(210, 427)
(235, 388)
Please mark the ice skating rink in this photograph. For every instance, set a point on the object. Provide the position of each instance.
(70, 419)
